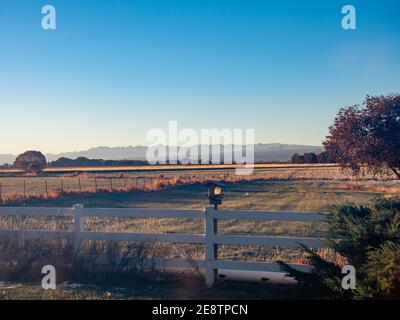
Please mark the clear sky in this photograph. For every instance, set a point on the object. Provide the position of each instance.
(112, 70)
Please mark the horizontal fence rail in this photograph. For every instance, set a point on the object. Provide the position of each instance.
(211, 239)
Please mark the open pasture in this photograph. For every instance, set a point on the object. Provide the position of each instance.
(268, 195)
(315, 196)
(17, 187)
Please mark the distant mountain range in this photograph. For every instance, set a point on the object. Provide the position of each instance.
(6, 158)
(262, 152)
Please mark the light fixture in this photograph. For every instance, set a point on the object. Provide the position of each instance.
(215, 193)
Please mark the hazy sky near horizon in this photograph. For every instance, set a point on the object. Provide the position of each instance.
(112, 70)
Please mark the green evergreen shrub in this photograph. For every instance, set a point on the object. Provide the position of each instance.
(368, 237)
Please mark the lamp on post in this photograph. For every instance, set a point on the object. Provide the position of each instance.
(215, 193)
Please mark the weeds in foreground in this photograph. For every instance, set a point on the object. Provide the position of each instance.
(101, 262)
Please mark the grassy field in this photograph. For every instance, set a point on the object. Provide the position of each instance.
(168, 168)
(55, 184)
(54, 181)
(257, 195)
(290, 192)
(315, 196)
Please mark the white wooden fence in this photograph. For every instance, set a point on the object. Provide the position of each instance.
(211, 239)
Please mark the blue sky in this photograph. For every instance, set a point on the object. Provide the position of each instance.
(115, 69)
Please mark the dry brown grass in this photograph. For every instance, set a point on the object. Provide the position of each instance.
(263, 193)
(258, 195)
(172, 167)
(296, 190)
(389, 189)
(82, 183)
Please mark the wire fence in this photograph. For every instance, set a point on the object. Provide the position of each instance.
(23, 188)
(17, 188)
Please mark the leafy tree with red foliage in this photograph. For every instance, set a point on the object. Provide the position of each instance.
(367, 137)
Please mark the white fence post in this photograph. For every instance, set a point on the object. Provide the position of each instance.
(78, 227)
(211, 247)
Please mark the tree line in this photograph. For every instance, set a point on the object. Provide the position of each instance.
(34, 162)
(86, 162)
(311, 157)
